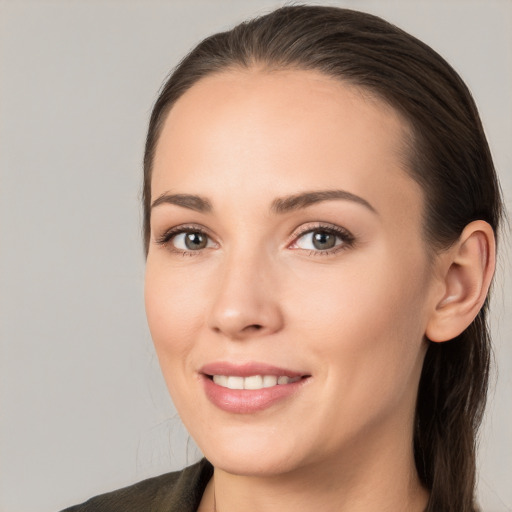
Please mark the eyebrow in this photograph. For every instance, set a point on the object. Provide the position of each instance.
(303, 200)
(192, 202)
(280, 205)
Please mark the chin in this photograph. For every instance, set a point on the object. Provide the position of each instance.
(252, 465)
(256, 455)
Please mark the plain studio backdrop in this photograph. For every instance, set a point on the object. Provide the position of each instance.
(83, 408)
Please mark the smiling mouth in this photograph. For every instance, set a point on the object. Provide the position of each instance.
(250, 387)
(252, 382)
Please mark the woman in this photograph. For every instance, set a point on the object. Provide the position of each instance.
(320, 214)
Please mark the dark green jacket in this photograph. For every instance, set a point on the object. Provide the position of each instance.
(173, 492)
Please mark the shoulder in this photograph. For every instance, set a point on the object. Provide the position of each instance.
(178, 491)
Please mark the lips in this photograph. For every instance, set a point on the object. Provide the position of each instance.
(249, 387)
(247, 370)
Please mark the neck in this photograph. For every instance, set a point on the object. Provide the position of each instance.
(372, 475)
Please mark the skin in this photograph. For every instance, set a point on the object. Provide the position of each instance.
(354, 319)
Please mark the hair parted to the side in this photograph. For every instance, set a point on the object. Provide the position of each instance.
(449, 157)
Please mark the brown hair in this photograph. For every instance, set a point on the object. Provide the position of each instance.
(449, 158)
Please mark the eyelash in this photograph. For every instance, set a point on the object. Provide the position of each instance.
(347, 239)
(166, 238)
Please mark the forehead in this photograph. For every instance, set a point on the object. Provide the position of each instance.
(280, 132)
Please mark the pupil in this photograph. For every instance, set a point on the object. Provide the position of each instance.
(195, 241)
(323, 240)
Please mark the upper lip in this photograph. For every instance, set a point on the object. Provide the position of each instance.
(247, 369)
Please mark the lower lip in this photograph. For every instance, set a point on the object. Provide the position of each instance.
(246, 401)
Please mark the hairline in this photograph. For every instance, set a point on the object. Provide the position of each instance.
(406, 152)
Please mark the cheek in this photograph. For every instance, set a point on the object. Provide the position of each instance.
(365, 322)
(364, 294)
(174, 316)
(173, 311)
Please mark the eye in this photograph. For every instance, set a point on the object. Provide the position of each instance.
(323, 239)
(190, 241)
(186, 239)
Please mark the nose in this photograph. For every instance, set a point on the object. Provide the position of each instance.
(245, 304)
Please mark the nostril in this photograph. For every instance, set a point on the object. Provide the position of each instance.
(253, 327)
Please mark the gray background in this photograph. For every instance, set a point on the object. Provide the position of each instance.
(83, 408)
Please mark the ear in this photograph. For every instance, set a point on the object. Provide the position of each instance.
(466, 273)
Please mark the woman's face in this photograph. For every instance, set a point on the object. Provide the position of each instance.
(286, 257)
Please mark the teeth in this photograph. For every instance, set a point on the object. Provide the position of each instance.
(221, 380)
(235, 382)
(252, 382)
(269, 381)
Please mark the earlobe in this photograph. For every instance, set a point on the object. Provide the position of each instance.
(468, 270)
